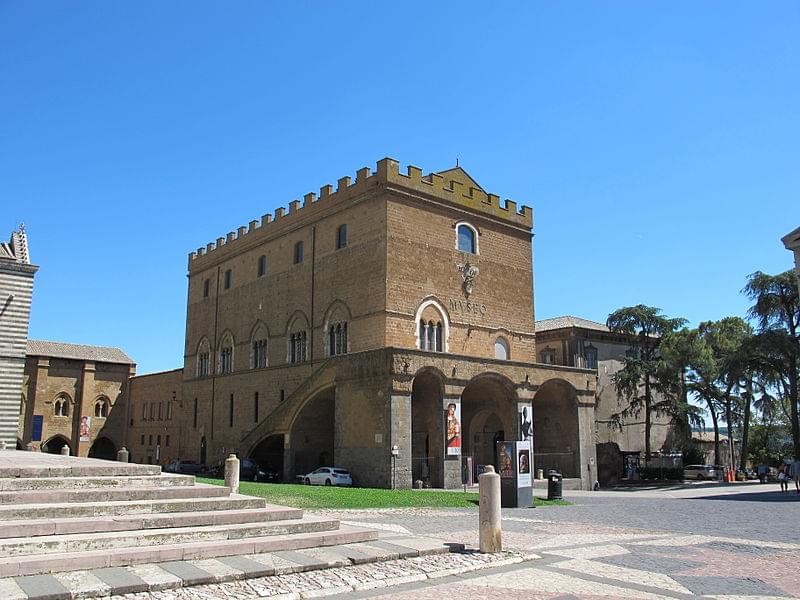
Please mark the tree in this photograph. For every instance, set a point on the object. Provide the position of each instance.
(642, 371)
(776, 309)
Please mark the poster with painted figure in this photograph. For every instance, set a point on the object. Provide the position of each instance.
(506, 459)
(523, 464)
(85, 428)
(525, 414)
(453, 428)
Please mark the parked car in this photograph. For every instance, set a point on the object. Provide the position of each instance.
(185, 467)
(700, 472)
(329, 476)
(248, 470)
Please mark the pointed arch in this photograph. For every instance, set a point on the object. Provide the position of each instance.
(336, 328)
(432, 331)
(225, 352)
(203, 357)
(259, 345)
(297, 338)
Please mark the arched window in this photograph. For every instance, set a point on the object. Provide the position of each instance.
(297, 347)
(298, 252)
(467, 238)
(226, 355)
(203, 358)
(590, 356)
(262, 265)
(101, 407)
(341, 236)
(501, 349)
(432, 326)
(61, 406)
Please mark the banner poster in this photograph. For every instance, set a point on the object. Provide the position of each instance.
(524, 464)
(525, 422)
(505, 459)
(453, 429)
(85, 428)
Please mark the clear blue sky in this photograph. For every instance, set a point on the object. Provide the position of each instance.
(657, 142)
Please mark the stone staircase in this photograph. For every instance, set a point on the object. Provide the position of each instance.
(60, 513)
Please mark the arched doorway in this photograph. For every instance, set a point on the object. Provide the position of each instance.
(556, 444)
(427, 428)
(489, 415)
(103, 448)
(55, 444)
(203, 450)
(269, 453)
(311, 436)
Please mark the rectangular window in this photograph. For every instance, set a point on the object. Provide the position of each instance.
(228, 279)
(152, 410)
(158, 440)
(230, 413)
(160, 407)
(142, 439)
(298, 252)
(195, 413)
(150, 440)
(255, 408)
(205, 288)
(262, 266)
(282, 395)
(341, 237)
(166, 442)
(169, 410)
(144, 411)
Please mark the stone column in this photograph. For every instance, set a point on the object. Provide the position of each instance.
(490, 517)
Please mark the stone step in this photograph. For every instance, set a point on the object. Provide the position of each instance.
(80, 469)
(109, 540)
(139, 507)
(15, 566)
(199, 490)
(48, 527)
(9, 484)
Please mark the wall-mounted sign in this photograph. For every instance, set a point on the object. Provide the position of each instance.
(467, 308)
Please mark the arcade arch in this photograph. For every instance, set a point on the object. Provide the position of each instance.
(556, 444)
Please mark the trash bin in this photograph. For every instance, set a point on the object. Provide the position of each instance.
(554, 485)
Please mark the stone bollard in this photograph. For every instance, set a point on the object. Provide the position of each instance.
(64, 450)
(539, 473)
(2, 444)
(232, 473)
(123, 455)
(489, 511)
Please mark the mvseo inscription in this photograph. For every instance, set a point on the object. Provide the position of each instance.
(466, 307)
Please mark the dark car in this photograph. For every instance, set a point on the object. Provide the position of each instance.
(185, 467)
(248, 470)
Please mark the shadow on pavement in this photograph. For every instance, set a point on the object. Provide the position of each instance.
(775, 496)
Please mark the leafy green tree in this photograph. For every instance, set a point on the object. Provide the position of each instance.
(642, 372)
(776, 309)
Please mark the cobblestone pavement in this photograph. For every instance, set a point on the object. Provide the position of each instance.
(742, 545)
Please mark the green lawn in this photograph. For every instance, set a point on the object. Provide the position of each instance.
(305, 496)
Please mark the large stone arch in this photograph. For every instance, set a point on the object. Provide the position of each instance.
(310, 439)
(103, 448)
(55, 443)
(427, 427)
(269, 452)
(488, 415)
(556, 428)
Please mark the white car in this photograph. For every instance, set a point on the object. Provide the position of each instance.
(328, 476)
(699, 472)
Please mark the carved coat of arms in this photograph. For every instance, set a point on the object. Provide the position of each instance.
(468, 273)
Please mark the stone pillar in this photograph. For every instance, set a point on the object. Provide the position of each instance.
(490, 518)
(400, 426)
(123, 455)
(232, 473)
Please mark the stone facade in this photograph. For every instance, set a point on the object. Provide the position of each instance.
(74, 395)
(16, 290)
(341, 331)
(157, 417)
(573, 341)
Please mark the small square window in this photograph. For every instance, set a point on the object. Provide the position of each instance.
(206, 284)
